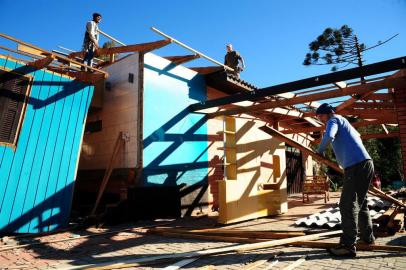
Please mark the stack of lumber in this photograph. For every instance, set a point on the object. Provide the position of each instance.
(258, 236)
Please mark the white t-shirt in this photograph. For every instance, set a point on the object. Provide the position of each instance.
(93, 30)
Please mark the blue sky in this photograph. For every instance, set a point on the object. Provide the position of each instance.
(273, 36)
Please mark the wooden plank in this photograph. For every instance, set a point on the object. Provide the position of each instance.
(231, 233)
(280, 136)
(30, 50)
(205, 252)
(361, 247)
(178, 60)
(205, 70)
(35, 186)
(45, 183)
(42, 63)
(374, 105)
(12, 161)
(61, 196)
(58, 57)
(388, 120)
(372, 136)
(207, 237)
(21, 173)
(77, 131)
(119, 144)
(379, 96)
(386, 197)
(351, 101)
(142, 47)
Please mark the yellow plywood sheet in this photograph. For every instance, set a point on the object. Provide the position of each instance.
(259, 160)
(29, 50)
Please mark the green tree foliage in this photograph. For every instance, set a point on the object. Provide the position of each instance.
(385, 153)
(108, 44)
(335, 46)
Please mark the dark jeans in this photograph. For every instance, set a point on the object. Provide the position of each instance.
(89, 55)
(353, 203)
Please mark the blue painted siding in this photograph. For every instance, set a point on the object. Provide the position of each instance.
(175, 140)
(36, 180)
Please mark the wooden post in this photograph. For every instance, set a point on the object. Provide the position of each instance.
(119, 143)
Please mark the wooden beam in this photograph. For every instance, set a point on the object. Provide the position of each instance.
(205, 252)
(376, 105)
(174, 40)
(362, 112)
(372, 136)
(119, 144)
(142, 47)
(358, 89)
(362, 247)
(388, 120)
(206, 70)
(84, 76)
(178, 60)
(42, 63)
(230, 232)
(45, 52)
(280, 136)
(379, 96)
(367, 70)
(351, 101)
(26, 49)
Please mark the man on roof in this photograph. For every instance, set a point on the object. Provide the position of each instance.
(234, 60)
(91, 39)
(358, 173)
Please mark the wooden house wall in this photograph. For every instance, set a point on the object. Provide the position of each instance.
(119, 112)
(37, 177)
(174, 140)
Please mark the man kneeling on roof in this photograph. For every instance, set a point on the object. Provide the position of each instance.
(234, 60)
(358, 173)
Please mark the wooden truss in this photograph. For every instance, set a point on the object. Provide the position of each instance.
(40, 58)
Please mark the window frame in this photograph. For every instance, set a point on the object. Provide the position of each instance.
(27, 94)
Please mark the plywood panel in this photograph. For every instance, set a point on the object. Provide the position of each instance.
(260, 160)
(119, 114)
(37, 178)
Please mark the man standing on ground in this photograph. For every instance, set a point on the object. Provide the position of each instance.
(358, 173)
(234, 60)
(91, 39)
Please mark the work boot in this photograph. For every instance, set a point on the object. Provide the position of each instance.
(342, 250)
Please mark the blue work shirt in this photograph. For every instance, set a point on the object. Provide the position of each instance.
(346, 142)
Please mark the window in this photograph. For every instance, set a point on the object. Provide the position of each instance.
(94, 126)
(131, 77)
(14, 93)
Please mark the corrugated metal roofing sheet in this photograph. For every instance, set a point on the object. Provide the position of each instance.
(331, 217)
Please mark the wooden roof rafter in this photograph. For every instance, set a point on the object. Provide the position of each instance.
(392, 119)
(356, 89)
(142, 47)
(57, 63)
(181, 59)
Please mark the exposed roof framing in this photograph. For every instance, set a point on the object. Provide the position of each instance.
(40, 58)
(330, 78)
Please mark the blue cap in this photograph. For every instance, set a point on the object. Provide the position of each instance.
(325, 108)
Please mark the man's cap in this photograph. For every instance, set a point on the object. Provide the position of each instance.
(229, 44)
(96, 15)
(325, 108)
